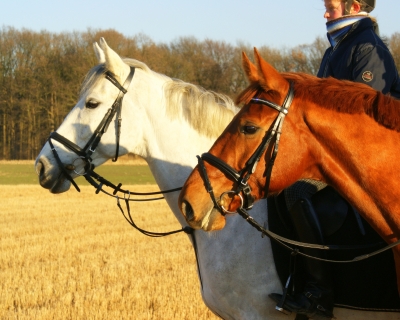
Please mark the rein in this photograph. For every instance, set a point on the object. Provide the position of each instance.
(270, 141)
(284, 241)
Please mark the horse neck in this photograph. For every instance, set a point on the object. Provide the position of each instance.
(171, 153)
(359, 158)
(169, 145)
(352, 142)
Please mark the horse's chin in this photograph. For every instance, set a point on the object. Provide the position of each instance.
(60, 186)
(216, 221)
(50, 176)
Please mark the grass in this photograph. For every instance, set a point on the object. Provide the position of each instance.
(17, 173)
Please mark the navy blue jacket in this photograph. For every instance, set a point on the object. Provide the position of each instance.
(361, 56)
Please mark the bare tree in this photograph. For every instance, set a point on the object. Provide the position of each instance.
(41, 73)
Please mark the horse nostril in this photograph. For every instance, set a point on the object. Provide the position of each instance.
(39, 168)
(187, 211)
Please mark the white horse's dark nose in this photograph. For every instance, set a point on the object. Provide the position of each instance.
(41, 171)
(39, 168)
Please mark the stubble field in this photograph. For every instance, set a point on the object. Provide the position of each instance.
(73, 256)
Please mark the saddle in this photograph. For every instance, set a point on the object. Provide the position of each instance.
(367, 284)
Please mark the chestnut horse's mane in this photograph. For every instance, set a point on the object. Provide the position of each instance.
(340, 95)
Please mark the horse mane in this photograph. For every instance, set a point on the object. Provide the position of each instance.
(339, 95)
(207, 112)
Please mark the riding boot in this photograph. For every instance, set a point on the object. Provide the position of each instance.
(316, 301)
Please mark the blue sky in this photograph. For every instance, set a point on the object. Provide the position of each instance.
(278, 23)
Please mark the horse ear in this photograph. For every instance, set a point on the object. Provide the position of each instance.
(269, 77)
(99, 53)
(113, 61)
(249, 69)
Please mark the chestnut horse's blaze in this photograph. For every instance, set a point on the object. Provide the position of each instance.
(343, 133)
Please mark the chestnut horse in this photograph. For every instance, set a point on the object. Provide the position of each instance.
(343, 133)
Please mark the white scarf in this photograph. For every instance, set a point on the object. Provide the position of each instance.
(339, 27)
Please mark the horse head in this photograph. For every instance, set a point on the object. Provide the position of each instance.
(237, 169)
(92, 132)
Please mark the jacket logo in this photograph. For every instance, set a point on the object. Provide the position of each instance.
(367, 76)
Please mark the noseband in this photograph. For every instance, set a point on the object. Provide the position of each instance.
(86, 152)
(270, 140)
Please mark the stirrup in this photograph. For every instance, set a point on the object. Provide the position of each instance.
(281, 303)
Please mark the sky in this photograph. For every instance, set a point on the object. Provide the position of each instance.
(278, 24)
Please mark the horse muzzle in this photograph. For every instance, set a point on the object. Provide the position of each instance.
(50, 177)
(211, 220)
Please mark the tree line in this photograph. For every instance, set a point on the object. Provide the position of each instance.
(41, 73)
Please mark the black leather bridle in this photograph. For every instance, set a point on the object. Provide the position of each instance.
(86, 152)
(270, 141)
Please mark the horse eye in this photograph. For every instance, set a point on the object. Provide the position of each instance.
(92, 104)
(249, 129)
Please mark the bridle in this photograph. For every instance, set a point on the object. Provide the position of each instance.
(270, 141)
(84, 154)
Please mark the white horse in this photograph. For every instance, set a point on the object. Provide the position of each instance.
(168, 123)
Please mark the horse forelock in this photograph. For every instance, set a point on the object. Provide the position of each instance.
(92, 77)
(246, 95)
(207, 112)
(96, 73)
(339, 95)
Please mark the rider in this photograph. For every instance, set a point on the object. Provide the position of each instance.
(357, 53)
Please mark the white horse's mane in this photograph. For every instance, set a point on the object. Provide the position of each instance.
(207, 112)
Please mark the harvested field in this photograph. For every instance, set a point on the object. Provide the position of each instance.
(73, 256)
